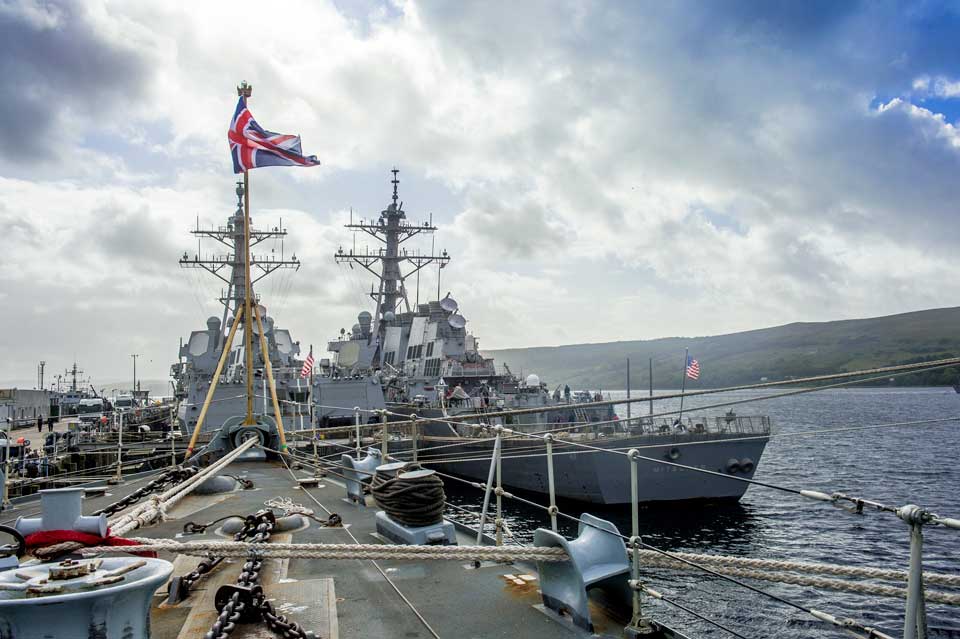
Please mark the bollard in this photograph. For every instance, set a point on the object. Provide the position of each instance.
(61, 509)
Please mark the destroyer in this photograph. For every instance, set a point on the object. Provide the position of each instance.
(432, 366)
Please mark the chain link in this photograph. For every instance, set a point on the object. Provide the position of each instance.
(172, 476)
(179, 588)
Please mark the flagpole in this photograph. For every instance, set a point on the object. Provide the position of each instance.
(245, 90)
(683, 386)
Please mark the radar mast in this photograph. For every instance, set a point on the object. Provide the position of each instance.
(391, 230)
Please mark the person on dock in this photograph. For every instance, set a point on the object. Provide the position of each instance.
(40, 423)
(50, 421)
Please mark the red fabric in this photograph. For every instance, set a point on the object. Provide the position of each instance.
(50, 537)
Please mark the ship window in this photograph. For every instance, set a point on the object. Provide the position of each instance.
(430, 349)
(415, 352)
(388, 358)
(431, 367)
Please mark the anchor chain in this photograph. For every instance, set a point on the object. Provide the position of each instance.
(170, 477)
(254, 527)
(245, 601)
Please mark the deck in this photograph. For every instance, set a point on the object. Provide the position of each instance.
(349, 598)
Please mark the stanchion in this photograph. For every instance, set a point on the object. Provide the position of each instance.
(499, 521)
(173, 440)
(638, 625)
(548, 438)
(119, 477)
(385, 439)
(489, 484)
(914, 620)
(356, 421)
(413, 436)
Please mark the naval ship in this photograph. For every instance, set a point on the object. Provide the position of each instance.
(430, 365)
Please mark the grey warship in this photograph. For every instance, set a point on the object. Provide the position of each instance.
(430, 365)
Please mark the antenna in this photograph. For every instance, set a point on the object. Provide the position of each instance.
(449, 304)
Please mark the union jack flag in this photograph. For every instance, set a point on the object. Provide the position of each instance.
(307, 366)
(252, 147)
(693, 368)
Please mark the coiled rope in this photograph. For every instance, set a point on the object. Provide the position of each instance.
(412, 501)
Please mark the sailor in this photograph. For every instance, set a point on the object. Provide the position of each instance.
(103, 421)
(40, 424)
(566, 392)
(556, 394)
(50, 421)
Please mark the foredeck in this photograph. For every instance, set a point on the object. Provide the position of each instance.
(349, 598)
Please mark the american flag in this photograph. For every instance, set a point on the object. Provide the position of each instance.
(307, 366)
(693, 368)
(251, 146)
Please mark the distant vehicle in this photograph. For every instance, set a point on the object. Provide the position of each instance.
(125, 401)
(90, 409)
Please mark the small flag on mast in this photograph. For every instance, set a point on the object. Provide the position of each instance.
(693, 368)
(307, 366)
(251, 146)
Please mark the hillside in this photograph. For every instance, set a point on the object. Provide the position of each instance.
(793, 350)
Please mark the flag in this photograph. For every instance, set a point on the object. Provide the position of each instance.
(693, 368)
(252, 147)
(307, 366)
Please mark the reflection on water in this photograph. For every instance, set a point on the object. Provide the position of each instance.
(906, 464)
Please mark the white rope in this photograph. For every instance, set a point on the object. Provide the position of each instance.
(864, 588)
(340, 551)
(541, 554)
(157, 505)
(813, 568)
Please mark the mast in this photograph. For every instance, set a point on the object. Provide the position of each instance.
(391, 230)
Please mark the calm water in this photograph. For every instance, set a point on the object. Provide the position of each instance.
(899, 465)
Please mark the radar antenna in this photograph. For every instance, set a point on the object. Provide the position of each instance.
(391, 230)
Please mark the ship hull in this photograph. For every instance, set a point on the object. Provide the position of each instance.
(604, 478)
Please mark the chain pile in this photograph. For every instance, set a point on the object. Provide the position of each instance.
(169, 478)
(254, 527)
(244, 602)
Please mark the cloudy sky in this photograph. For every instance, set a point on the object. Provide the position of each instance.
(600, 170)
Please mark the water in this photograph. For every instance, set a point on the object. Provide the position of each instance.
(896, 466)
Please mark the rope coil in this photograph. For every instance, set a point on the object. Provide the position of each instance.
(412, 501)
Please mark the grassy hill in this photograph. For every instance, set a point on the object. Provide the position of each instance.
(794, 350)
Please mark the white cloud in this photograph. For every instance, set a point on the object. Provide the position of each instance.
(583, 161)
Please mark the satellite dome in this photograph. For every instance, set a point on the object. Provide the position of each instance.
(449, 304)
(388, 316)
(533, 380)
(213, 323)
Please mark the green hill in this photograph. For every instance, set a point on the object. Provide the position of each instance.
(794, 350)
